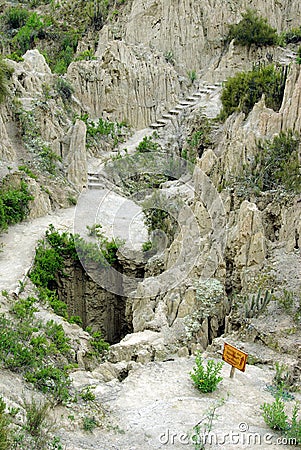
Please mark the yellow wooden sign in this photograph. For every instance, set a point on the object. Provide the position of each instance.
(236, 358)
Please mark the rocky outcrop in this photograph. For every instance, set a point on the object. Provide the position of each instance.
(7, 151)
(193, 32)
(74, 154)
(125, 83)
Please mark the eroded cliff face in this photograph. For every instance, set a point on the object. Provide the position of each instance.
(145, 57)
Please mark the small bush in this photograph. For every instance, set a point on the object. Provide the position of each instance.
(198, 141)
(206, 378)
(14, 204)
(64, 89)
(87, 395)
(277, 163)
(292, 36)
(89, 423)
(15, 17)
(99, 345)
(103, 129)
(252, 29)
(243, 90)
(146, 246)
(36, 416)
(147, 145)
(29, 33)
(52, 380)
(274, 415)
(276, 418)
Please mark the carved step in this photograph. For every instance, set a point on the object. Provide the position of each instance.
(157, 125)
(187, 103)
(95, 186)
(167, 116)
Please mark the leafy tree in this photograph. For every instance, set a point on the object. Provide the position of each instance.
(252, 29)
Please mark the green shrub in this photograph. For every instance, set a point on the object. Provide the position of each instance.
(198, 141)
(206, 378)
(28, 172)
(56, 334)
(148, 145)
(28, 34)
(276, 418)
(51, 380)
(192, 76)
(99, 345)
(292, 36)
(37, 416)
(86, 55)
(146, 246)
(15, 17)
(14, 203)
(47, 264)
(64, 89)
(29, 347)
(89, 423)
(75, 319)
(30, 132)
(243, 90)
(277, 163)
(87, 395)
(23, 308)
(103, 129)
(274, 415)
(252, 29)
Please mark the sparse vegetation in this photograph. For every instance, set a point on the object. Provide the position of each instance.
(252, 29)
(276, 418)
(104, 129)
(89, 423)
(146, 246)
(206, 378)
(198, 141)
(148, 145)
(45, 157)
(192, 75)
(161, 214)
(87, 395)
(203, 428)
(64, 89)
(29, 347)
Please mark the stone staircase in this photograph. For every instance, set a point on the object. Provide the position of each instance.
(204, 92)
(96, 180)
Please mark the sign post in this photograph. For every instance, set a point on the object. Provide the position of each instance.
(236, 358)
